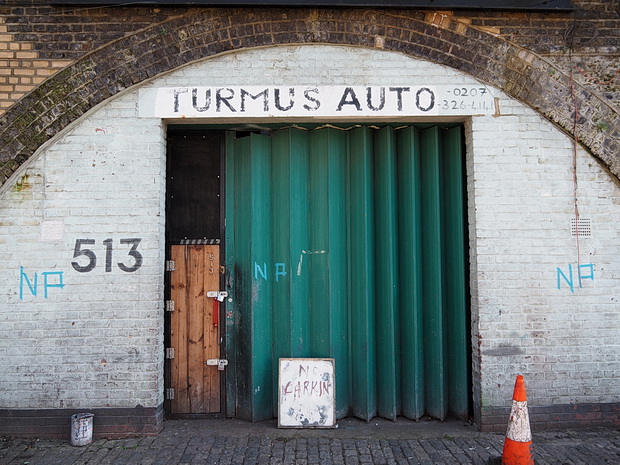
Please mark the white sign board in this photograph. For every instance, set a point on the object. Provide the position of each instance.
(316, 102)
(307, 396)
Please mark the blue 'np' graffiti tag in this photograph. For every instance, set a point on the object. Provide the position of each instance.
(51, 279)
(261, 271)
(581, 276)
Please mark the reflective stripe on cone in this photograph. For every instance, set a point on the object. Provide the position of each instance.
(518, 442)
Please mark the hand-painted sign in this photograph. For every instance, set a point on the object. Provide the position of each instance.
(316, 101)
(307, 397)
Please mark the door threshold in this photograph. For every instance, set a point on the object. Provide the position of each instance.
(195, 416)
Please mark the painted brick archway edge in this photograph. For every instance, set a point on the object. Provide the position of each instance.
(124, 63)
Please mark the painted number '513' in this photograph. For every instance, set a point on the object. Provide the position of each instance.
(88, 253)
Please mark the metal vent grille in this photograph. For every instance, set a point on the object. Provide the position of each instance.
(581, 227)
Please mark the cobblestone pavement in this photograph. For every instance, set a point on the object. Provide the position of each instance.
(352, 443)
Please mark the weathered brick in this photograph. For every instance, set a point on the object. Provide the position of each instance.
(499, 49)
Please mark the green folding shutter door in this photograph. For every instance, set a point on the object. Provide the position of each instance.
(386, 275)
(326, 258)
(411, 272)
(456, 270)
(361, 284)
(253, 241)
(351, 245)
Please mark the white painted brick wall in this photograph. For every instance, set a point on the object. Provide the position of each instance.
(565, 343)
(98, 341)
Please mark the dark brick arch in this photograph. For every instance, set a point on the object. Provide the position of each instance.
(207, 32)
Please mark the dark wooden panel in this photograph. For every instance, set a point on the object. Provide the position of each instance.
(193, 187)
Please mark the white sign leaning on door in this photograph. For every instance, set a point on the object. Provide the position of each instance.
(316, 102)
(307, 396)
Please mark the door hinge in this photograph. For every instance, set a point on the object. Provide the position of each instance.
(169, 353)
(170, 305)
(169, 393)
(169, 265)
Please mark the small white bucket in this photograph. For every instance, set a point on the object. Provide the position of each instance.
(81, 429)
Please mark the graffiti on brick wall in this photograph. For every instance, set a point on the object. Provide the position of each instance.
(85, 259)
(572, 278)
(49, 280)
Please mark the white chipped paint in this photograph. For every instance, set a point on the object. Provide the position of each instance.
(301, 258)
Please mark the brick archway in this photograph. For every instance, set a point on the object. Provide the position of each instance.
(199, 34)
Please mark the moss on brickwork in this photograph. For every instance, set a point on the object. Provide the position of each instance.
(22, 183)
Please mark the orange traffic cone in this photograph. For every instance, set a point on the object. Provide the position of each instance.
(518, 442)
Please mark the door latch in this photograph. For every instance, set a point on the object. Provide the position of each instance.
(218, 295)
(219, 362)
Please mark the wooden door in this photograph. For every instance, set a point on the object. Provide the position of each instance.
(194, 327)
